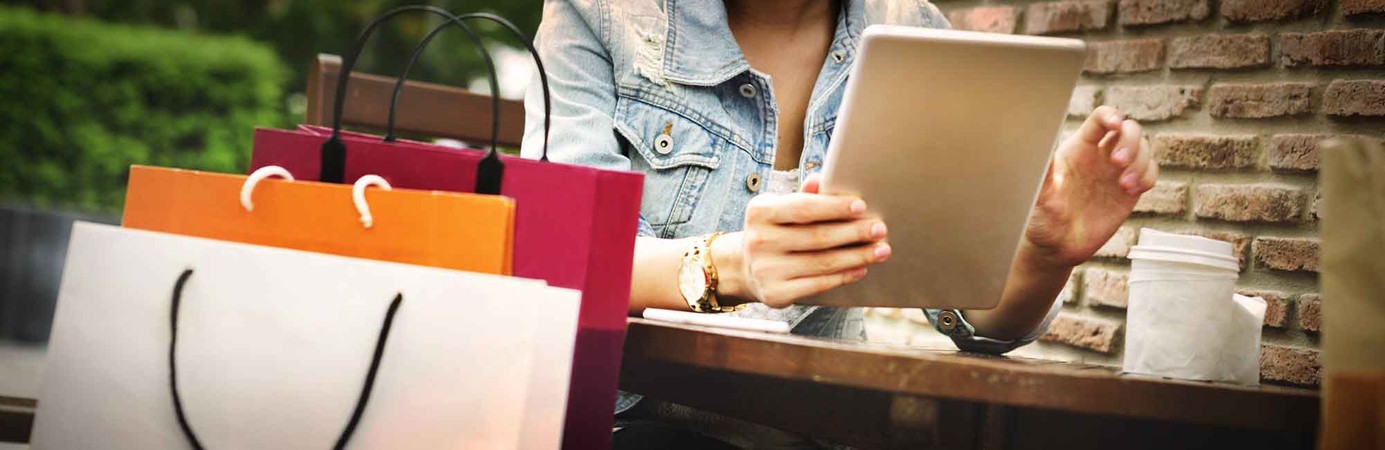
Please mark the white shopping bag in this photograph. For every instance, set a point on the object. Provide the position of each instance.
(274, 346)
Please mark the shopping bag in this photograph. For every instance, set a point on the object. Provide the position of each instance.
(279, 348)
(449, 230)
(1353, 291)
(575, 227)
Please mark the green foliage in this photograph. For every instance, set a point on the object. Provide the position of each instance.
(300, 29)
(80, 101)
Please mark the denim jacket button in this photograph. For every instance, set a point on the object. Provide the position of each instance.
(752, 182)
(663, 144)
(811, 165)
(838, 56)
(748, 90)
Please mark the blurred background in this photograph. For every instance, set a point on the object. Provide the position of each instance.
(89, 87)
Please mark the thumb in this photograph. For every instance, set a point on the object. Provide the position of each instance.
(812, 184)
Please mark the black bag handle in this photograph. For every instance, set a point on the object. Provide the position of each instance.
(495, 113)
(360, 402)
(333, 155)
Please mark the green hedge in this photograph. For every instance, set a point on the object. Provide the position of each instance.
(80, 101)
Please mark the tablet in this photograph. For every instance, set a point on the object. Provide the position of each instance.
(947, 136)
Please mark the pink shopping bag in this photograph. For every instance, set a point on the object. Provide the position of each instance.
(575, 227)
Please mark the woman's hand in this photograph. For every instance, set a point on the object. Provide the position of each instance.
(797, 245)
(1096, 176)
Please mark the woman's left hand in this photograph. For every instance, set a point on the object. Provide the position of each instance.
(1096, 176)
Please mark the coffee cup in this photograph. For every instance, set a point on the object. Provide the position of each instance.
(1183, 318)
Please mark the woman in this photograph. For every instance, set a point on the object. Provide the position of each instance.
(727, 108)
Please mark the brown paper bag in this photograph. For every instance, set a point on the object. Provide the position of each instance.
(1353, 289)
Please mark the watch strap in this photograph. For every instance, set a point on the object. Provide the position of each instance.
(709, 303)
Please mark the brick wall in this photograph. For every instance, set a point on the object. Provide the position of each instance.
(1233, 95)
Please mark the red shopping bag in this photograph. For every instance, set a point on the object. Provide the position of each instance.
(575, 227)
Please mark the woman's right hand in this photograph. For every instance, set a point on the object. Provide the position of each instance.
(797, 245)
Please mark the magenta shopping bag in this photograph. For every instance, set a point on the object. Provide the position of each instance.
(575, 227)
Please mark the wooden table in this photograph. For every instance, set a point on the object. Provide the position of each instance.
(872, 395)
(885, 396)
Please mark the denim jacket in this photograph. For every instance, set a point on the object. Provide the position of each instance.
(661, 87)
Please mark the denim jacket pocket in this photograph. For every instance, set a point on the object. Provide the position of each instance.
(677, 154)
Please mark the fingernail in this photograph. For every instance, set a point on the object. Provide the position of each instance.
(1134, 188)
(858, 206)
(858, 273)
(877, 231)
(882, 252)
(1122, 155)
(1128, 180)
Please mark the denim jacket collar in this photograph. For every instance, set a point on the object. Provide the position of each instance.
(699, 49)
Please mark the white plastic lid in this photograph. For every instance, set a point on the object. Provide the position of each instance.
(1157, 245)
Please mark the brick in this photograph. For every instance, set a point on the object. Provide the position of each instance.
(1262, 10)
(1103, 287)
(1310, 312)
(1084, 100)
(1255, 101)
(1299, 152)
(1167, 197)
(1066, 16)
(1069, 293)
(1333, 48)
(1137, 55)
(1295, 151)
(1153, 12)
(1153, 103)
(1354, 7)
(1288, 254)
(1355, 98)
(1301, 366)
(1249, 202)
(1204, 151)
(1119, 244)
(988, 19)
(1238, 241)
(1317, 199)
(1082, 331)
(1277, 306)
(1219, 51)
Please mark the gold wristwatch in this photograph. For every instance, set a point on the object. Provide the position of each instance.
(697, 278)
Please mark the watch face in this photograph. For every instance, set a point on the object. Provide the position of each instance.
(691, 281)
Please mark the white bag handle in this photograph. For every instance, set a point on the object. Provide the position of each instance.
(358, 196)
(357, 191)
(254, 179)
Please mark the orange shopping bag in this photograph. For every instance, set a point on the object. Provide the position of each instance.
(468, 232)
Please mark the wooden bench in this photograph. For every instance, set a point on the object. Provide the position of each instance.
(872, 395)
(425, 108)
(16, 418)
